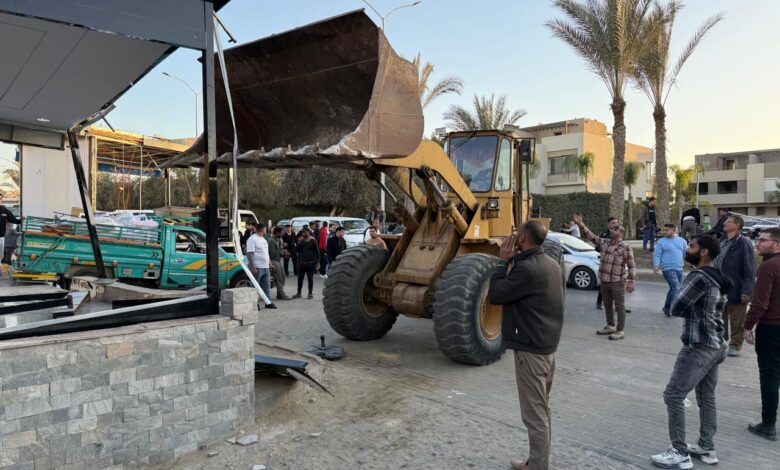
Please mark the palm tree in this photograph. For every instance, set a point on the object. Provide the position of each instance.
(429, 93)
(13, 174)
(487, 114)
(631, 172)
(583, 165)
(652, 75)
(683, 186)
(606, 34)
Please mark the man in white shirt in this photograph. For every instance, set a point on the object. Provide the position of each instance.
(259, 260)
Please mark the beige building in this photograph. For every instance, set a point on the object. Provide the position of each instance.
(556, 140)
(742, 181)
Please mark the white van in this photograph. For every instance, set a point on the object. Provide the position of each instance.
(354, 226)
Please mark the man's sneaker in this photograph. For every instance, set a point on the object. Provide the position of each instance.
(297, 296)
(607, 330)
(311, 296)
(733, 351)
(518, 464)
(706, 456)
(282, 297)
(271, 306)
(628, 310)
(617, 335)
(672, 458)
(667, 311)
(599, 306)
(764, 430)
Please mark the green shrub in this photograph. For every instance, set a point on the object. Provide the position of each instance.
(594, 208)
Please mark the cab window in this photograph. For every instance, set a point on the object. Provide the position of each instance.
(474, 157)
(189, 242)
(503, 166)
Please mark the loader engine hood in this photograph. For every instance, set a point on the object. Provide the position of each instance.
(334, 89)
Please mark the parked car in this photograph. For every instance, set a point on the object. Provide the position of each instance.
(581, 260)
(753, 228)
(354, 226)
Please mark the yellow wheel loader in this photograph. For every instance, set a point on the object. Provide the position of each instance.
(335, 94)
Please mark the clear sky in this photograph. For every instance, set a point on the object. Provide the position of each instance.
(727, 100)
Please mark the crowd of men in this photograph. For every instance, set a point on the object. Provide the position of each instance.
(310, 251)
(712, 300)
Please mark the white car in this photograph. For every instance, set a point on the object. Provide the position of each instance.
(581, 260)
(355, 227)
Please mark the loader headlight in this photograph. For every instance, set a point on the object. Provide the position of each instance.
(492, 204)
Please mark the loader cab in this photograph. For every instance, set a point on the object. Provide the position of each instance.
(491, 164)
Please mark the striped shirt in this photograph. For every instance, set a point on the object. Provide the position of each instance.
(617, 259)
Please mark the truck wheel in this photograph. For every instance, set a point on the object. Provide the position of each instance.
(240, 280)
(349, 307)
(467, 326)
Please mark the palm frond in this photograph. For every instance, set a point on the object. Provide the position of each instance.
(487, 113)
(692, 44)
(446, 85)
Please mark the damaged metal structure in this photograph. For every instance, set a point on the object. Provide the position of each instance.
(69, 63)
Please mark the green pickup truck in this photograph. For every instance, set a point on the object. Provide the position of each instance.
(166, 257)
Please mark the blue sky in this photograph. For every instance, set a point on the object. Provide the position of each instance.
(727, 99)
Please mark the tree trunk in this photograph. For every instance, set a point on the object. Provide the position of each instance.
(661, 176)
(617, 200)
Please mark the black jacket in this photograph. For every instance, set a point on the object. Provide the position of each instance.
(5, 217)
(335, 246)
(532, 296)
(289, 239)
(308, 252)
(693, 212)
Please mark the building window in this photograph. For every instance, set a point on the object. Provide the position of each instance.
(771, 184)
(558, 133)
(727, 187)
(704, 188)
(760, 210)
(556, 165)
(729, 164)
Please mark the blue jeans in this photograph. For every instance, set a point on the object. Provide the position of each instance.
(649, 236)
(674, 278)
(263, 277)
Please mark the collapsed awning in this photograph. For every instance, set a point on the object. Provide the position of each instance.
(63, 64)
(332, 91)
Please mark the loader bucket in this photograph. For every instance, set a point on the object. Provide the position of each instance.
(332, 88)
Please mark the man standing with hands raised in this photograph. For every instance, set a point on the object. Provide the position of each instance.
(617, 272)
(532, 296)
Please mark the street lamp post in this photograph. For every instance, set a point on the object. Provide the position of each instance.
(383, 18)
(193, 92)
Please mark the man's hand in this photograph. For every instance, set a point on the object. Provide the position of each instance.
(630, 286)
(750, 337)
(745, 299)
(656, 270)
(507, 250)
(254, 270)
(577, 219)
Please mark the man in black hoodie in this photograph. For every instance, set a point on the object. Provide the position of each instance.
(700, 301)
(532, 297)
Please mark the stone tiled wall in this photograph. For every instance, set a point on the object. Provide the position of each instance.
(128, 397)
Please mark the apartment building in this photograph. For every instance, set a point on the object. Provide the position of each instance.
(745, 181)
(556, 140)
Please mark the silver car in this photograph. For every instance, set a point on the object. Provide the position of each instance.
(581, 260)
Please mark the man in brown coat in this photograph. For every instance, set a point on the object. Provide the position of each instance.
(765, 312)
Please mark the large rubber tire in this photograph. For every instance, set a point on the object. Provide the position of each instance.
(464, 331)
(348, 307)
(583, 278)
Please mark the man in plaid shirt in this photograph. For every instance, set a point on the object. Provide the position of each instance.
(617, 272)
(700, 301)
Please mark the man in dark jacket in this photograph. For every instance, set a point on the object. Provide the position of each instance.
(336, 245)
(718, 229)
(308, 261)
(248, 232)
(650, 225)
(532, 297)
(738, 262)
(690, 222)
(765, 312)
(290, 253)
(700, 301)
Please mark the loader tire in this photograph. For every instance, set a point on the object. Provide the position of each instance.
(350, 310)
(467, 326)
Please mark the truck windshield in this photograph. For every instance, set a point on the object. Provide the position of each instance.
(474, 158)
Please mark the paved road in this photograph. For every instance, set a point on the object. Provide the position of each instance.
(608, 411)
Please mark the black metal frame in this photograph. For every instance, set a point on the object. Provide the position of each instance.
(171, 309)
